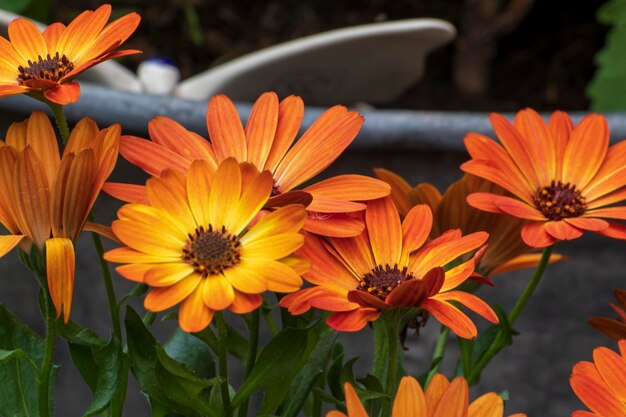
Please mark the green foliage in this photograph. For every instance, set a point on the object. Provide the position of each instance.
(607, 90)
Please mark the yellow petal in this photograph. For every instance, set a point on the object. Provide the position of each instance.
(217, 292)
(60, 269)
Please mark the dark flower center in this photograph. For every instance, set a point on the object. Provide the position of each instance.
(211, 251)
(380, 281)
(49, 68)
(559, 201)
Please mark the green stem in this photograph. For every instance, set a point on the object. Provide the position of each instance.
(46, 364)
(440, 347)
(59, 116)
(108, 281)
(254, 321)
(222, 354)
(497, 345)
(379, 368)
(393, 323)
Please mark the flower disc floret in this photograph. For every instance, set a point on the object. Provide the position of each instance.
(211, 251)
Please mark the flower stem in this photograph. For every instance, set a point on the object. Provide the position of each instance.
(497, 345)
(440, 347)
(108, 281)
(393, 322)
(380, 350)
(222, 353)
(59, 116)
(254, 320)
(46, 364)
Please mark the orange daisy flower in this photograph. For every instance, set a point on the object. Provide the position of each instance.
(601, 384)
(45, 199)
(441, 399)
(199, 242)
(614, 328)
(267, 143)
(390, 265)
(44, 64)
(505, 252)
(563, 178)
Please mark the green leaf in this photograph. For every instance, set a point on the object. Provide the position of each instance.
(333, 376)
(110, 375)
(191, 352)
(78, 335)
(84, 361)
(303, 384)
(18, 396)
(237, 343)
(275, 362)
(162, 378)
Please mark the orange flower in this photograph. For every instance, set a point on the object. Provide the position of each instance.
(45, 199)
(614, 328)
(267, 143)
(562, 177)
(601, 384)
(198, 242)
(441, 399)
(390, 265)
(44, 64)
(506, 251)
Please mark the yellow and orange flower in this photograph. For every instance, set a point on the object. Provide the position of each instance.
(390, 265)
(44, 64)
(441, 399)
(563, 178)
(601, 384)
(45, 199)
(199, 242)
(614, 328)
(267, 143)
(505, 252)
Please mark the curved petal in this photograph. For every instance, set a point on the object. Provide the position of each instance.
(225, 129)
(159, 299)
(612, 369)
(135, 149)
(288, 219)
(518, 209)
(350, 187)
(253, 197)
(60, 270)
(410, 400)
(352, 321)
(435, 390)
(399, 189)
(8, 242)
(488, 405)
(261, 128)
(470, 301)
(194, 315)
(326, 269)
(416, 228)
(244, 303)
(290, 114)
(353, 403)
(63, 94)
(562, 230)
(455, 400)
(539, 144)
(452, 317)
(561, 127)
(338, 225)
(385, 231)
(27, 40)
(167, 274)
(173, 136)
(217, 292)
(534, 234)
(485, 202)
(586, 150)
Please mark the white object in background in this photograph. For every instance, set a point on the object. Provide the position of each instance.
(158, 76)
(372, 63)
(108, 73)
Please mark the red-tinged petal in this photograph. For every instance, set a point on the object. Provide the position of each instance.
(75, 201)
(534, 234)
(410, 400)
(611, 198)
(60, 271)
(82, 136)
(587, 223)
(615, 230)
(299, 302)
(523, 262)
(399, 189)
(330, 300)
(585, 150)
(452, 317)
(470, 301)
(612, 368)
(353, 403)
(611, 175)
(561, 127)
(415, 230)
(64, 94)
(410, 293)
(562, 230)
(290, 114)
(335, 413)
(385, 231)
(454, 402)
(622, 348)
(356, 252)
(244, 303)
(8, 242)
(10, 90)
(518, 209)
(539, 144)
(579, 413)
(194, 315)
(327, 138)
(595, 395)
(350, 187)
(608, 212)
(352, 321)
(261, 128)
(334, 224)
(113, 35)
(225, 129)
(365, 299)
(488, 405)
(129, 193)
(135, 149)
(27, 40)
(290, 197)
(326, 269)
(217, 292)
(160, 299)
(485, 202)
(324, 204)
(172, 135)
(433, 280)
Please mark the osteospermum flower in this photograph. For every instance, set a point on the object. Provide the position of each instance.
(390, 265)
(267, 143)
(614, 328)
(44, 64)
(563, 178)
(506, 251)
(45, 199)
(441, 399)
(601, 384)
(199, 242)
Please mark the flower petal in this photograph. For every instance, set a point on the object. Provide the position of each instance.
(8, 242)
(562, 230)
(64, 94)
(539, 144)
(225, 193)
(350, 187)
(586, 150)
(353, 403)
(452, 317)
(135, 149)
(399, 189)
(518, 209)
(612, 369)
(410, 400)
(290, 114)
(261, 128)
(194, 315)
(27, 40)
(244, 303)
(159, 299)
(454, 402)
(385, 231)
(60, 270)
(352, 321)
(415, 230)
(488, 405)
(334, 224)
(470, 301)
(253, 197)
(225, 129)
(217, 292)
(534, 234)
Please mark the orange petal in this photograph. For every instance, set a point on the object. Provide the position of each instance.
(64, 94)
(148, 238)
(470, 301)
(160, 299)
(454, 402)
(217, 292)
(128, 255)
(534, 234)
(166, 274)
(199, 178)
(425, 193)
(81, 136)
(225, 193)
(253, 197)
(485, 202)
(352, 321)
(539, 144)
(410, 293)
(134, 150)
(261, 128)
(385, 231)
(27, 40)
(225, 129)
(8, 242)
(562, 230)
(585, 150)
(488, 405)
(9, 56)
(289, 219)
(610, 176)
(279, 277)
(452, 317)
(41, 137)
(561, 127)
(356, 252)
(608, 212)
(524, 261)
(290, 197)
(415, 230)
(52, 34)
(350, 187)
(596, 395)
(323, 204)
(353, 403)
(247, 278)
(114, 34)
(334, 224)
(615, 230)
(194, 315)
(435, 390)
(60, 271)
(129, 193)
(133, 272)
(518, 209)
(82, 31)
(244, 303)
(290, 114)
(168, 193)
(410, 400)
(75, 200)
(271, 247)
(612, 368)
(458, 275)
(326, 269)
(399, 189)
(587, 223)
